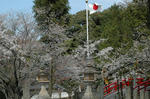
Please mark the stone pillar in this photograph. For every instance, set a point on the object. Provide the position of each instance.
(147, 95)
(102, 91)
(135, 91)
(99, 92)
(26, 89)
(88, 93)
(128, 92)
(136, 94)
(142, 94)
(59, 95)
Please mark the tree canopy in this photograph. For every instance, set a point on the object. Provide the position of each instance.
(120, 25)
(48, 11)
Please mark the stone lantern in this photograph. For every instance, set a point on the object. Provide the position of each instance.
(42, 77)
(89, 72)
(89, 77)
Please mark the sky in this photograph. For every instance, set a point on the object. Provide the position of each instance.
(26, 5)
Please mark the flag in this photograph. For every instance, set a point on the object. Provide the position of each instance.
(94, 8)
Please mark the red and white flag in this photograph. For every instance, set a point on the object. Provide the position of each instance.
(94, 8)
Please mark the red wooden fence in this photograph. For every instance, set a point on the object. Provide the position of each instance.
(113, 87)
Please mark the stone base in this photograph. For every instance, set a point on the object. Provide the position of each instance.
(88, 93)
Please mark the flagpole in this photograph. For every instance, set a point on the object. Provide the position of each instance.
(87, 29)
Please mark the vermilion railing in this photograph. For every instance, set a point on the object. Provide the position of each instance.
(142, 85)
(113, 87)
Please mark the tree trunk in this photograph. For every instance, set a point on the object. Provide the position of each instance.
(51, 78)
(118, 91)
(13, 88)
(148, 17)
(121, 90)
(132, 89)
(26, 85)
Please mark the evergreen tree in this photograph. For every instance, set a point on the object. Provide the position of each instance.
(119, 24)
(50, 11)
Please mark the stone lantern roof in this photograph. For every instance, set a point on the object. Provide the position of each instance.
(89, 69)
(89, 66)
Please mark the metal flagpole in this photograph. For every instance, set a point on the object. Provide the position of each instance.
(87, 29)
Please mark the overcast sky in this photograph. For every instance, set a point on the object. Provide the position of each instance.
(26, 5)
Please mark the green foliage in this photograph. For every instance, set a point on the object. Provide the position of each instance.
(141, 47)
(103, 45)
(97, 60)
(116, 28)
(77, 25)
(45, 39)
(72, 43)
(9, 32)
(119, 25)
(47, 11)
(70, 85)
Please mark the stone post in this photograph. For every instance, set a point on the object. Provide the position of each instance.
(142, 94)
(102, 91)
(135, 91)
(26, 89)
(59, 92)
(147, 95)
(136, 94)
(128, 92)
